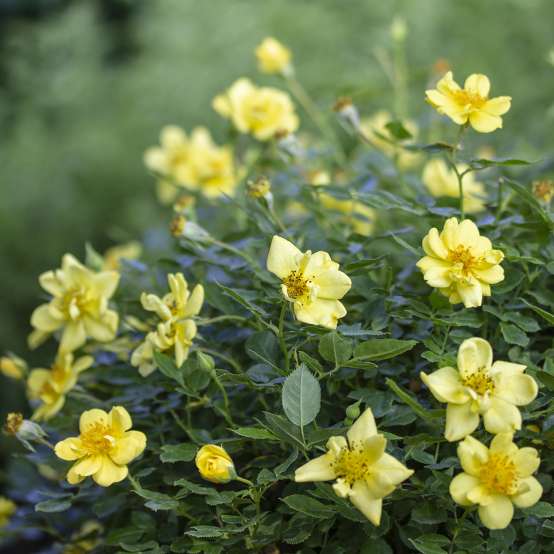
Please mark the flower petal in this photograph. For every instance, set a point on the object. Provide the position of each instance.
(119, 419)
(460, 421)
(478, 84)
(369, 506)
(498, 514)
(73, 336)
(484, 122)
(69, 449)
(503, 444)
(460, 486)
(109, 473)
(128, 448)
(87, 465)
(332, 284)
(43, 319)
(395, 471)
(283, 257)
(501, 417)
(527, 461)
(472, 454)
(498, 106)
(318, 469)
(320, 311)
(516, 389)
(91, 417)
(362, 429)
(445, 385)
(473, 355)
(532, 494)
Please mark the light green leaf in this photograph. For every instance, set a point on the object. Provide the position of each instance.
(382, 349)
(172, 453)
(335, 348)
(301, 396)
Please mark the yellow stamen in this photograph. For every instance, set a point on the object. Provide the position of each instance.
(97, 439)
(472, 99)
(499, 475)
(296, 284)
(351, 464)
(479, 381)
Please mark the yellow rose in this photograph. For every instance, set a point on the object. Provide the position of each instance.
(214, 464)
(13, 366)
(481, 387)
(460, 263)
(79, 305)
(440, 180)
(469, 104)
(104, 447)
(364, 472)
(273, 57)
(312, 282)
(7, 509)
(496, 479)
(260, 111)
(50, 386)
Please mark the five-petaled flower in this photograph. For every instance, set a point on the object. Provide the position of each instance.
(79, 305)
(104, 447)
(364, 472)
(470, 104)
(461, 263)
(312, 282)
(481, 387)
(215, 464)
(273, 57)
(496, 479)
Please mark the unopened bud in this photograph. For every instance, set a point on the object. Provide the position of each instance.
(348, 112)
(398, 29)
(289, 144)
(259, 188)
(353, 411)
(205, 361)
(181, 227)
(24, 430)
(12, 366)
(543, 190)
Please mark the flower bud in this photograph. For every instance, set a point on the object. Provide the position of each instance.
(543, 190)
(398, 29)
(353, 411)
(273, 57)
(214, 464)
(12, 366)
(348, 112)
(289, 144)
(205, 361)
(181, 227)
(259, 188)
(25, 430)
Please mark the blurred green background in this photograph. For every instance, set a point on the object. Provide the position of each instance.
(86, 85)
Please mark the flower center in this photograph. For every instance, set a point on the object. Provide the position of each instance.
(472, 99)
(464, 257)
(351, 464)
(97, 439)
(499, 475)
(480, 381)
(76, 301)
(296, 284)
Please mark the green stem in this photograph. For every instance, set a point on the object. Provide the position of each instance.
(245, 481)
(457, 531)
(282, 341)
(220, 318)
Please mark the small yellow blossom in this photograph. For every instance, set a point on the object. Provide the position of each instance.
(114, 255)
(260, 111)
(374, 128)
(496, 479)
(104, 447)
(13, 366)
(461, 263)
(50, 386)
(364, 472)
(544, 190)
(469, 104)
(79, 305)
(7, 509)
(312, 282)
(481, 387)
(440, 180)
(214, 464)
(260, 188)
(273, 57)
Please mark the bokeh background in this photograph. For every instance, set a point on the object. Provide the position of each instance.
(86, 85)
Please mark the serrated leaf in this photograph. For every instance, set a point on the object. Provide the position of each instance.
(382, 349)
(172, 453)
(205, 532)
(301, 396)
(285, 430)
(335, 348)
(255, 433)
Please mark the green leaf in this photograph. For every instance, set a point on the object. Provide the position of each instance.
(541, 510)
(283, 429)
(397, 130)
(529, 199)
(483, 163)
(309, 506)
(255, 433)
(513, 334)
(172, 453)
(53, 505)
(335, 348)
(411, 402)
(205, 532)
(547, 316)
(382, 349)
(436, 148)
(301, 396)
(430, 543)
(167, 366)
(312, 363)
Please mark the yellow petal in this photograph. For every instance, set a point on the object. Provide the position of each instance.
(195, 301)
(69, 449)
(105, 283)
(460, 421)
(87, 465)
(445, 385)
(373, 448)
(73, 336)
(101, 330)
(460, 486)
(119, 419)
(484, 122)
(395, 471)
(517, 389)
(74, 478)
(362, 429)
(43, 319)
(50, 283)
(527, 461)
(369, 506)
(501, 417)
(471, 293)
(433, 245)
(92, 417)
(478, 84)
(503, 444)
(473, 355)
(532, 494)
(472, 454)
(332, 284)
(109, 473)
(128, 448)
(498, 514)
(172, 136)
(498, 106)
(283, 257)
(320, 312)
(318, 469)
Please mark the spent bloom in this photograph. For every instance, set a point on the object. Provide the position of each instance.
(260, 111)
(441, 180)
(480, 387)
(460, 263)
(103, 448)
(79, 305)
(7, 509)
(496, 479)
(273, 57)
(470, 104)
(364, 472)
(312, 282)
(543, 190)
(13, 366)
(24, 430)
(214, 464)
(50, 386)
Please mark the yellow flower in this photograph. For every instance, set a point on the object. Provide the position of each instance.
(440, 180)
(375, 125)
(461, 263)
(364, 472)
(543, 190)
(273, 57)
(312, 282)
(7, 509)
(214, 464)
(104, 447)
(470, 104)
(496, 479)
(79, 305)
(13, 366)
(127, 251)
(50, 386)
(260, 111)
(481, 387)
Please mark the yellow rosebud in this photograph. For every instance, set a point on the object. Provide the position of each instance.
(273, 57)
(470, 104)
(461, 263)
(214, 464)
(7, 509)
(543, 190)
(12, 366)
(496, 479)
